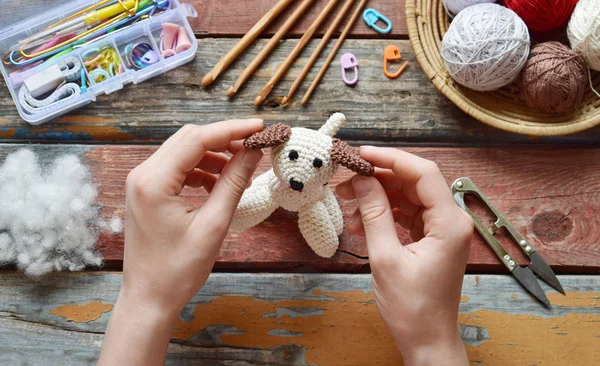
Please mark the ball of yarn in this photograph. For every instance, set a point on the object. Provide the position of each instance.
(554, 78)
(485, 47)
(455, 6)
(584, 31)
(542, 15)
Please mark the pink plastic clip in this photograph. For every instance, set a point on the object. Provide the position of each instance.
(348, 62)
(183, 41)
(168, 39)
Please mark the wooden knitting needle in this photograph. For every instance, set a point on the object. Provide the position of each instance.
(337, 46)
(243, 43)
(295, 52)
(317, 52)
(269, 47)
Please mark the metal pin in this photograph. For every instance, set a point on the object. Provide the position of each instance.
(459, 184)
(523, 242)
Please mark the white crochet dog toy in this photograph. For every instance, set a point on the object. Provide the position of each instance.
(303, 162)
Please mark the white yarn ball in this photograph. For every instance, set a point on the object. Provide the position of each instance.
(485, 47)
(584, 31)
(455, 6)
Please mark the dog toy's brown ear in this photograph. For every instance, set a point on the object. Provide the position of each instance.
(347, 156)
(271, 136)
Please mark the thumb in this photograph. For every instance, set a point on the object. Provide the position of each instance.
(377, 218)
(230, 186)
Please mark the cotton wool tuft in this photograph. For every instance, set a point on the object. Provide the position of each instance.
(47, 215)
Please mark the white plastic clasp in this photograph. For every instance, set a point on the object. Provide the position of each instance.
(44, 81)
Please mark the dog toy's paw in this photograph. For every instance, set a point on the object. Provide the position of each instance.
(325, 250)
(318, 230)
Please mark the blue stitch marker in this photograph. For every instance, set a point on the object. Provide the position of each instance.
(83, 82)
(371, 16)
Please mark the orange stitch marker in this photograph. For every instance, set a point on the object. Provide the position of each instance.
(392, 53)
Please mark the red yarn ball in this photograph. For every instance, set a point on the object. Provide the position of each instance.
(542, 15)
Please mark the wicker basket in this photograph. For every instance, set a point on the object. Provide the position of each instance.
(427, 22)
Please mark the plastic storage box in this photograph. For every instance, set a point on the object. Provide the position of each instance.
(146, 30)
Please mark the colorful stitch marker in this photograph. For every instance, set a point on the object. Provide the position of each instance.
(348, 61)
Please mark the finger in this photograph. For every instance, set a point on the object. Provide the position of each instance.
(235, 146)
(345, 190)
(213, 162)
(405, 221)
(430, 186)
(197, 179)
(354, 223)
(386, 177)
(184, 150)
(400, 202)
(417, 232)
(377, 219)
(228, 190)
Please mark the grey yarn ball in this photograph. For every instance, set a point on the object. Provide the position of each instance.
(485, 47)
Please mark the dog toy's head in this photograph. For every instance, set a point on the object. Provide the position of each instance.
(306, 159)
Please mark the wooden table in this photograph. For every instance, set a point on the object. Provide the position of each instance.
(549, 187)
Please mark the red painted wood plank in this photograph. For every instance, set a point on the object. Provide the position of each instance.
(236, 17)
(233, 18)
(552, 196)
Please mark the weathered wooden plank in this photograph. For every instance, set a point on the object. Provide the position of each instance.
(299, 319)
(550, 195)
(407, 110)
(236, 17)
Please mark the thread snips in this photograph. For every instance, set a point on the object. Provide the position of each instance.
(525, 275)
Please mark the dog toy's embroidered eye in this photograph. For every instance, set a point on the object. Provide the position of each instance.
(293, 155)
(317, 163)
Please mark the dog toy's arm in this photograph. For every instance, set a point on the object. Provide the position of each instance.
(335, 212)
(318, 229)
(256, 203)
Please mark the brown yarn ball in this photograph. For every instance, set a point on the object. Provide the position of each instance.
(554, 79)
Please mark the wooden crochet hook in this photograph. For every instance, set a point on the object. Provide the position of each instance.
(281, 32)
(313, 58)
(243, 43)
(260, 98)
(337, 46)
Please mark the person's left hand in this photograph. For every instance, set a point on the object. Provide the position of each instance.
(170, 245)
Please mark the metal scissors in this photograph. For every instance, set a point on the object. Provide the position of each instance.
(525, 275)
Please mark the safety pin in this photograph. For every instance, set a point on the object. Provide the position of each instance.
(371, 16)
(525, 275)
(392, 53)
(348, 62)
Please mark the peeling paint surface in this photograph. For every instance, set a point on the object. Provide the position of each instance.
(85, 119)
(82, 313)
(7, 133)
(347, 330)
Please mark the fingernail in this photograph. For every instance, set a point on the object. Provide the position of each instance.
(255, 119)
(362, 186)
(251, 158)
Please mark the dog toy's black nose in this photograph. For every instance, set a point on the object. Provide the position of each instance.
(296, 185)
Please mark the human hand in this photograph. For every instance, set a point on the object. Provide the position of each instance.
(170, 245)
(417, 286)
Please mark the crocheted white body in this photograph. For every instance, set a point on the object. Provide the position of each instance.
(302, 167)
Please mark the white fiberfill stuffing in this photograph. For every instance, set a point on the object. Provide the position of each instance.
(47, 215)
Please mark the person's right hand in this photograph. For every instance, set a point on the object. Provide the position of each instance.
(417, 287)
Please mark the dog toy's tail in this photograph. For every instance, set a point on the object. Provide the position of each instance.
(333, 124)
